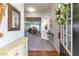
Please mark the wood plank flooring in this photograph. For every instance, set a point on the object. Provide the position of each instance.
(43, 53)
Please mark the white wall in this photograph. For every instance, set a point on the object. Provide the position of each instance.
(55, 28)
(45, 20)
(51, 15)
(10, 36)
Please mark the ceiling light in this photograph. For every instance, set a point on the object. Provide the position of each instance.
(31, 9)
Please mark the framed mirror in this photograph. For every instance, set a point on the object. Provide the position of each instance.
(13, 18)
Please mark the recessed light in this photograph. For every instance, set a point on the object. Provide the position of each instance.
(31, 9)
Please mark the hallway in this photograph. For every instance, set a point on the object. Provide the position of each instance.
(38, 17)
(46, 26)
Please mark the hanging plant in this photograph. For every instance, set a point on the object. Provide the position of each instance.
(61, 13)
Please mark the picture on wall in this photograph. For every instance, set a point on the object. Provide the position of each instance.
(13, 18)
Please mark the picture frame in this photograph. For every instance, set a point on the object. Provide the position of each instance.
(13, 18)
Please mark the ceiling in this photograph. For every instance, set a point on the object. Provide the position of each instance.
(40, 7)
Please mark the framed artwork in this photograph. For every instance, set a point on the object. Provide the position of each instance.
(13, 18)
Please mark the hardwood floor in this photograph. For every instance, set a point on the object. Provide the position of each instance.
(43, 53)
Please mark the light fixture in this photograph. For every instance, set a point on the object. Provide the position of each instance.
(2, 10)
(31, 9)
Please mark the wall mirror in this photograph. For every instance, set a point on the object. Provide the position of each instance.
(13, 18)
